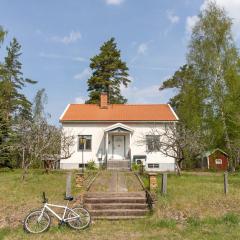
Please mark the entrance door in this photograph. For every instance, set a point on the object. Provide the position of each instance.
(118, 147)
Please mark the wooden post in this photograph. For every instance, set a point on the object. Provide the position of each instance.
(68, 184)
(226, 183)
(164, 184)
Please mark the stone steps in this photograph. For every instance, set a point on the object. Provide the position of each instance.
(118, 165)
(102, 206)
(118, 212)
(114, 194)
(116, 205)
(115, 200)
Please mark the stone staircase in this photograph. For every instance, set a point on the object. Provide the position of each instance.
(123, 165)
(116, 205)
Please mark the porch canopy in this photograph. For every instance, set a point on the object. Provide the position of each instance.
(118, 127)
(118, 141)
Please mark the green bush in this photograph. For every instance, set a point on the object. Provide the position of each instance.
(91, 165)
(136, 167)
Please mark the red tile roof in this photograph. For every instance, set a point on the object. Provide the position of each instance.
(119, 113)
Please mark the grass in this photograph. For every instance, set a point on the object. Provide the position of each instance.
(194, 208)
(18, 197)
(200, 196)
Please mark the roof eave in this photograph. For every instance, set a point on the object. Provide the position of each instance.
(75, 121)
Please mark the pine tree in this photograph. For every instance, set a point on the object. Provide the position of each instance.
(13, 103)
(109, 73)
(190, 93)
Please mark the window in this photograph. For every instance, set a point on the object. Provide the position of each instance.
(80, 165)
(153, 165)
(218, 161)
(84, 142)
(153, 143)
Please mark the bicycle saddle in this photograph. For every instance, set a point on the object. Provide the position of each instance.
(69, 198)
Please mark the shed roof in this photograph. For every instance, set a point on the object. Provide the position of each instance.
(208, 153)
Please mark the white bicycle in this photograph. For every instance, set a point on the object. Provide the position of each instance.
(39, 220)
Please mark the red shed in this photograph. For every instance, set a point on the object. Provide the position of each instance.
(217, 159)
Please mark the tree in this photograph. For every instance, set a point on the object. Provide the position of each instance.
(41, 144)
(109, 73)
(189, 102)
(209, 85)
(175, 141)
(39, 102)
(214, 56)
(13, 103)
(61, 148)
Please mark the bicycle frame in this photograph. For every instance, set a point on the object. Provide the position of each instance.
(47, 206)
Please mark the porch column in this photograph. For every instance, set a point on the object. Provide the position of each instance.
(130, 146)
(106, 139)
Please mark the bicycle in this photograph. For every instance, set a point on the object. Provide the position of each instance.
(38, 221)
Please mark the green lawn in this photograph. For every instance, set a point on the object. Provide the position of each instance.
(195, 208)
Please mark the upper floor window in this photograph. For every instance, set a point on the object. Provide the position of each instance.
(84, 142)
(153, 143)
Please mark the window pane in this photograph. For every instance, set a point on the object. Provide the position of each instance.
(218, 161)
(85, 142)
(150, 165)
(88, 144)
(81, 146)
(152, 142)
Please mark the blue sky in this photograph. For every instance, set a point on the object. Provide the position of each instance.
(59, 37)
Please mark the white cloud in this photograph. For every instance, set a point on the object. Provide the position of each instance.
(80, 99)
(83, 75)
(58, 56)
(173, 18)
(149, 94)
(232, 8)
(190, 23)
(142, 48)
(114, 2)
(73, 36)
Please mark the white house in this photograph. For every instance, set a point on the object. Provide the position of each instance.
(112, 134)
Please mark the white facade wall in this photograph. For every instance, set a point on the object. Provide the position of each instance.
(140, 130)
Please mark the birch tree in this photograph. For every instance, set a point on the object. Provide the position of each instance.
(209, 84)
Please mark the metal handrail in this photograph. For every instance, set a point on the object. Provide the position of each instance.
(149, 197)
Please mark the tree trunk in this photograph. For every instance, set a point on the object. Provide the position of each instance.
(24, 166)
(178, 165)
(25, 171)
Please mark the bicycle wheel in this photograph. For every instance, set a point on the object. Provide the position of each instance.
(34, 224)
(83, 219)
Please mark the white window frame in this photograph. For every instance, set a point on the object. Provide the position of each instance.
(86, 137)
(154, 165)
(155, 148)
(218, 161)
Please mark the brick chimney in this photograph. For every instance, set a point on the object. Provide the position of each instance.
(104, 100)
